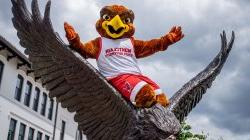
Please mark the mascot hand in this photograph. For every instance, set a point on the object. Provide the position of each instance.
(70, 32)
(175, 34)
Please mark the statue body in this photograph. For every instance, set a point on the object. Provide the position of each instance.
(101, 111)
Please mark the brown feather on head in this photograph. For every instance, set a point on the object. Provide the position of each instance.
(116, 21)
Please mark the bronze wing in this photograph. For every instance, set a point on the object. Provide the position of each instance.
(100, 110)
(184, 100)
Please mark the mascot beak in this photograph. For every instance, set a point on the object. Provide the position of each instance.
(116, 23)
(115, 28)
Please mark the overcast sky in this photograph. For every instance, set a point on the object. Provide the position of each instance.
(224, 110)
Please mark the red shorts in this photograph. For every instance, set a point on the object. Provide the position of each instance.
(129, 85)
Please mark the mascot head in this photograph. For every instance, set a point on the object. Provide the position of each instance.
(115, 22)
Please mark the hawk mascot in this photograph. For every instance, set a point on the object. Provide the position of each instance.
(116, 52)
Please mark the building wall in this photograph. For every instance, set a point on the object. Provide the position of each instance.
(11, 108)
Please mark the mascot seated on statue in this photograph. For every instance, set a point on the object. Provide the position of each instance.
(116, 53)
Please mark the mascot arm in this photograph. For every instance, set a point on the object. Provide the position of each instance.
(87, 50)
(146, 48)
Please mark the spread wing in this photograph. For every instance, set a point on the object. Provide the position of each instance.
(184, 100)
(100, 111)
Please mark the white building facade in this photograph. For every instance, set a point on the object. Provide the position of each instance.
(26, 111)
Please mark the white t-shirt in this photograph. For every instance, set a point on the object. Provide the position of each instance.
(117, 57)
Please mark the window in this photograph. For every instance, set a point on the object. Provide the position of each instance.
(12, 130)
(1, 71)
(19, 86)
(44, 102)
(51, 106)
(27, 94)
(39, 135)
(46, 137)
(62, 130)
(21, 131)
(36, 99)
(31, 134)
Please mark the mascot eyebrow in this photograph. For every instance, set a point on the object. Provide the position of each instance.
(123, 12)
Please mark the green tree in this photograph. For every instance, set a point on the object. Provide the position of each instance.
(186, 133)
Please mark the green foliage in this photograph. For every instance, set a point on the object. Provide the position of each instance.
(186, 133)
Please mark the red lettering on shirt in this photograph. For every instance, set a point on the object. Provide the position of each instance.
(118, 51)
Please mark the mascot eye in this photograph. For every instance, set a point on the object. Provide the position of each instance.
(106, 17)
(127, 20)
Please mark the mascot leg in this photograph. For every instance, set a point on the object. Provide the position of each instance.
(139, 90)
(162, 99)
(154, 89)
(145, 97)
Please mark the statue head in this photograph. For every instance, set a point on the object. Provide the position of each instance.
(157, 122)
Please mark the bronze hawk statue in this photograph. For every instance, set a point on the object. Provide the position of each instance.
(101, 112)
